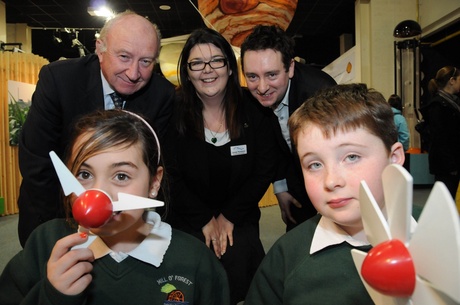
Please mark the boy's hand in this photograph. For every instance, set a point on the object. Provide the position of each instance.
(285, 200)
(69, 270)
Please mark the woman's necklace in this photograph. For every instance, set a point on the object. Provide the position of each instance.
(214, 134)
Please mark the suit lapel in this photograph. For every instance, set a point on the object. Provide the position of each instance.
(93, 91)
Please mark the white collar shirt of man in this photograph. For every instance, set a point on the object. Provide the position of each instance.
(106, 90)
(282, 112)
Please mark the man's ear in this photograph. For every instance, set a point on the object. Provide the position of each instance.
(397, 155)
(291, 68)
(99, 47)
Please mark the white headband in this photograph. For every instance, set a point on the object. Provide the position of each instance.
(151, 129)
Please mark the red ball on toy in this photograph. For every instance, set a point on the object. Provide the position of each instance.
(92, 209)
(389, 269)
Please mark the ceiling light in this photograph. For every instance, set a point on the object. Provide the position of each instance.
(165, 7)
(102, 11)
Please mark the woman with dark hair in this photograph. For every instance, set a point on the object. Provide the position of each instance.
(223, 157)
(442, 114)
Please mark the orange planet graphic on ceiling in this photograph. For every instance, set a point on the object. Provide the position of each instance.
(235, 19)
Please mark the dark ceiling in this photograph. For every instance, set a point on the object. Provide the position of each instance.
(316, 26)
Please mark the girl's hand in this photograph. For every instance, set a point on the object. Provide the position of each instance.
(226, 232)
(69, 270)
(212, 236)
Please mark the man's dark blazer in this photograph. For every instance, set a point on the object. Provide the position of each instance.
(305, 83)
(65, 91)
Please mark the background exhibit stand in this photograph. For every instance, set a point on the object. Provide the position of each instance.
(21, 67)
(407, 79)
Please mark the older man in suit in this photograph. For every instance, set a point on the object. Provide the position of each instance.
(281, 84)
(123, 65)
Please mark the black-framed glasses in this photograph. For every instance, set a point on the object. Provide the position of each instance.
(215, 63)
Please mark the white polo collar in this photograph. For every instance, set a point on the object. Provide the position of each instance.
(151, 250)
(328, 233)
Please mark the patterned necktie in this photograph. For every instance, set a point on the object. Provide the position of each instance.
(117, 100)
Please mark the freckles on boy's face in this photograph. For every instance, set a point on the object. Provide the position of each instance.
(334, 167)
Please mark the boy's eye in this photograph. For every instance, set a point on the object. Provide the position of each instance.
(353, 157)
(314, 166)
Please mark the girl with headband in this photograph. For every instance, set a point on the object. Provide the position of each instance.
(134, 258)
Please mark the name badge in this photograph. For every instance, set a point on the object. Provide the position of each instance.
(238, 150)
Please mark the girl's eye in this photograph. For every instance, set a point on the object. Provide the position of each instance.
(83, 175)
(121, 177)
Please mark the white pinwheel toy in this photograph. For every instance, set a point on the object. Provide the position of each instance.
(422, 269)
(94, 207)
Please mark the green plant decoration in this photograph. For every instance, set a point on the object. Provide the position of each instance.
(17, 113)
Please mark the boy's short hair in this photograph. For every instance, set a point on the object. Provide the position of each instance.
(346, 108)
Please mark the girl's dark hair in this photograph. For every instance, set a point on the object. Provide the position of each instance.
(188, 113)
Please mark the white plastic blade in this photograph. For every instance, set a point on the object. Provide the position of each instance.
(426, 294)
(69, 183)
(397, 187)
(435, 244)
(132, 202)
(377, 297)
(375, 225)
